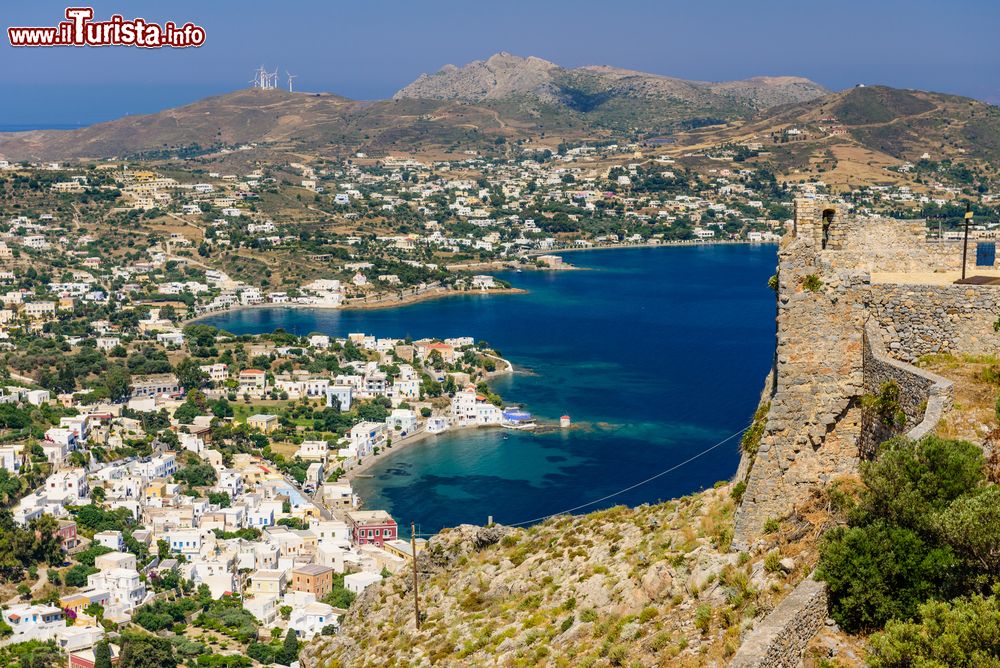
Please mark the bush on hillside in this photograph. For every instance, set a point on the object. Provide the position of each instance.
(926, 527)
(879, 572)
(964, 633)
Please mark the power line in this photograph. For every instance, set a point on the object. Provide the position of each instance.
(638, 484)
(630, 487)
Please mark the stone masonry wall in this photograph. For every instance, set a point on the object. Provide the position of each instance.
(925, 319)
(814, 423)
(924, 396)
(782, 637)
(835, 342)
(877, 244)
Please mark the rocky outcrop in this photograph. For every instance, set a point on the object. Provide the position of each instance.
(502, 75)
(505, 76)
(650, 586)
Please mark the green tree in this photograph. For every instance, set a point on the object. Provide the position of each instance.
(187, 412)
(261, 653)
(221, 408)
(118, 382)
(220, 499)
(189, 374)
(879, 572)
(910, 481)
(140, 650)
(76, 576)
(971, 526)
(12, 417)
(289, 651)
(102, 655)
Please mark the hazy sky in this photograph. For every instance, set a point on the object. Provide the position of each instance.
(370, 48)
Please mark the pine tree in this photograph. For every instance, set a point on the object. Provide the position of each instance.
(102, 655)
(289, 650)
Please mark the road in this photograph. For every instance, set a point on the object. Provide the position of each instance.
(314, 499)
(43, 579)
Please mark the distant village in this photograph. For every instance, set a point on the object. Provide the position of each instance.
(367, 231)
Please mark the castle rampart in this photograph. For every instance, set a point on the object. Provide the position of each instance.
(839, 337)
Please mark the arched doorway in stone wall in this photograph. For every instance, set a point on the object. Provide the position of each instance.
(827, 222)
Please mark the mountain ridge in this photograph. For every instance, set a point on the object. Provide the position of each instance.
(504, 75)
(586, 104)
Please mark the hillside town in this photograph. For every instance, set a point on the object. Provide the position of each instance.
(201, 471)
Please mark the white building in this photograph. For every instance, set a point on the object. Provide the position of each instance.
(365, 437)
(358, 582)
(34, 622)
(308, 620)
(341, 394)
(125, 587)
(315, 450)
(401, 422)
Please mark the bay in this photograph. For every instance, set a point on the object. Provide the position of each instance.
(656, 354)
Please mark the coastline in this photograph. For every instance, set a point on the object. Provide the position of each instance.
(441, 294)
(659, 244)
(423, 434)
(418, 437)
(360, 306)
(427, 296)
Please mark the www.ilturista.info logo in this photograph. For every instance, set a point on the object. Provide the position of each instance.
(79, 29)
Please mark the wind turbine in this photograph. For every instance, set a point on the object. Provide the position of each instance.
(290, 77)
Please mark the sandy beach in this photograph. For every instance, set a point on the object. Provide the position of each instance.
(357, 469)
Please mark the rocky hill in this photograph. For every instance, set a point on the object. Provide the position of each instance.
(503, 75)
(646, 586)
(903, 123)
(300, 121)
(606, 96)
(467, 108)
(864, 135)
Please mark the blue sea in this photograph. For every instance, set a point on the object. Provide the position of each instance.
(655, 353)
(24, 127)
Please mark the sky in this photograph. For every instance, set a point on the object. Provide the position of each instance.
(370, 49)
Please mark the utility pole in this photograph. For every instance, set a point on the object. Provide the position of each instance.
(413, 554)
(965, 243)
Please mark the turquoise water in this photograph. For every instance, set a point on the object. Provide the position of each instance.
(656, 354)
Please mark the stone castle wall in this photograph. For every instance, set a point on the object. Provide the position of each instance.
(877, 244)
(816, 429)
(925, 319)
(841, 339)
(924, 397)
(814, 423)
(782, 637)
